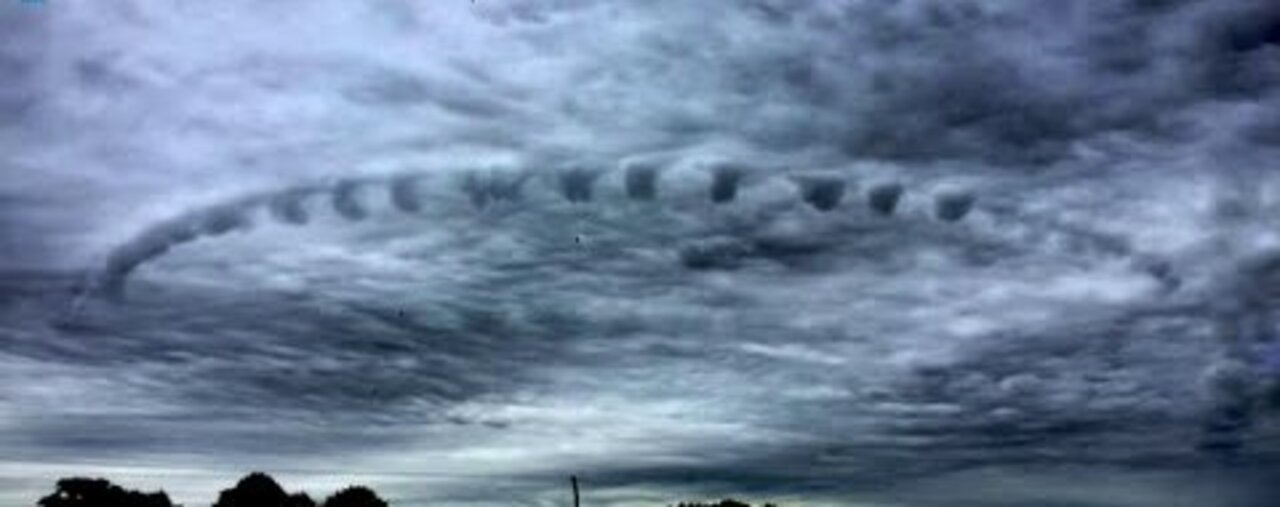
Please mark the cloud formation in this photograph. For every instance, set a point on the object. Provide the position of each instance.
(897, 253)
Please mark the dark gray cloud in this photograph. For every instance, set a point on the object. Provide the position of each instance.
(885, 253)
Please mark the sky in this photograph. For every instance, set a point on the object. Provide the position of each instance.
(889, 253)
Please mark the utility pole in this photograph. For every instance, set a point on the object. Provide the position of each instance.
(573, 479)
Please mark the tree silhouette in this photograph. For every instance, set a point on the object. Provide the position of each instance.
(260, 490)
(301, 500)
(355, 496)
(85, 492)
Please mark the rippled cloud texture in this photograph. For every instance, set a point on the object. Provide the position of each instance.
(883, 253)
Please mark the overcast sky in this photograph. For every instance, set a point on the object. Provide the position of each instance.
(871, 253)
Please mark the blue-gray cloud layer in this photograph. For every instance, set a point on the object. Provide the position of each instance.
(884, 253)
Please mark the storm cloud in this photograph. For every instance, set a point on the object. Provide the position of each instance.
(904, 253)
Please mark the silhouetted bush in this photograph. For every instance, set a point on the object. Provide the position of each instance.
(260, 490)
(85, 492)
(301, 500)
(355, 496)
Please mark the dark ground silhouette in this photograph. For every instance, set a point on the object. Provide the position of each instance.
(259, 489)
(254, 490)
(727, 502)
(84, 492)
(355, 496)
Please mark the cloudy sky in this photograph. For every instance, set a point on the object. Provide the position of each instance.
(868, 253)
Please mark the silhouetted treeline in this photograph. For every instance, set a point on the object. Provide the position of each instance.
(82, 492)
(727, 502)
(254, 490)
